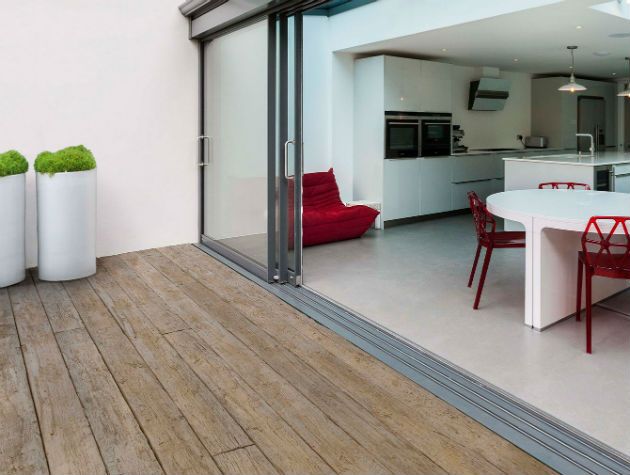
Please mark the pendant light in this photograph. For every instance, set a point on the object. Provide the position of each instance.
(626, 87)
(572, 86)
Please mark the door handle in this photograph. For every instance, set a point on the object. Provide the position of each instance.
(286, 157)
(205, 159)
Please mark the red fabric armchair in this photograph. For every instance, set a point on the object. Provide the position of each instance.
(325, 218)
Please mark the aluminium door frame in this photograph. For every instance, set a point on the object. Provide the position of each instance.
(241, 259)
(278, 266)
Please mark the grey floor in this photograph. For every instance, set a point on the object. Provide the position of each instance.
(412, 280)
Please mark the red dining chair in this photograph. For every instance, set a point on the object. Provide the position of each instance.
(490, 238)
(606, 253)
(563, 185)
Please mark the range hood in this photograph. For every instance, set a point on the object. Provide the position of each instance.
(488, 94)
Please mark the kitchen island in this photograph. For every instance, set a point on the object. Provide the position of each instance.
(604, 171)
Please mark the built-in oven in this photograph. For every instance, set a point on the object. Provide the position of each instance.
(436, 138)
(402, 135)
(417, 134)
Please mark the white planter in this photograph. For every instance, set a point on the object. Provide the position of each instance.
(66, 225)
(12, 212)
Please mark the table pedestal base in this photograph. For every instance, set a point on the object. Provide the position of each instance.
(553, 270)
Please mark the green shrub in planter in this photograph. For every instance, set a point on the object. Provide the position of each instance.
(69, 159)
(12, 163)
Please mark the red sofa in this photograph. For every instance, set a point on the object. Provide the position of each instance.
(325, 218)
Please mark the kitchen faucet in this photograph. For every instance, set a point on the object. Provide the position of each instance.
(592, 147)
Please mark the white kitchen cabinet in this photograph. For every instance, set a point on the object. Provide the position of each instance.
(483, 188)
(435, 87)
(401, 188)
(402, 84)
(435, 185)
(476, 167)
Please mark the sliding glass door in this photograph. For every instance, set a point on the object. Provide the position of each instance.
(251, 147)
(235, 172)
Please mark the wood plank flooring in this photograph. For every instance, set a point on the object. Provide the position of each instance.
(168, 362)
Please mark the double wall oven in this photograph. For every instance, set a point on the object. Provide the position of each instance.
(417, 134)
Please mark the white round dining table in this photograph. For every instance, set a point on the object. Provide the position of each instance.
(554, 221)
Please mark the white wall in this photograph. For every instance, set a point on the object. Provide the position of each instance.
(555, 114)
(492, 129)
(342, 122)
(317, 97)
(120, 77)
(328, 105)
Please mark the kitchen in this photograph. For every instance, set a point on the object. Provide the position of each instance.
(423, 174)
(485, 98)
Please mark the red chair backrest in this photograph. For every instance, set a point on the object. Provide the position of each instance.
(485, 225)
(606, 243)
(320, 190)
(563, 185)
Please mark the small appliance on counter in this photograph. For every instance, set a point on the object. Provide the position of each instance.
(458, 136)
(534, 141)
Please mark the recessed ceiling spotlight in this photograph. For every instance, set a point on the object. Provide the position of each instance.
(614, 74)
(516, 60)
(601, 53)
(579, 27)
(619, 35)
(444, 50)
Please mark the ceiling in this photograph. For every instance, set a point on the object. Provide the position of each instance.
(531, 41)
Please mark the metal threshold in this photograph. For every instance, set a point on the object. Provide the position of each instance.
(545, 438)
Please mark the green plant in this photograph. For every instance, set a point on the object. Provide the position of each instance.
(12, 163)
(70, 159)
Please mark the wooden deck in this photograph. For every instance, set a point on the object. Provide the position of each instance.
(168, 362)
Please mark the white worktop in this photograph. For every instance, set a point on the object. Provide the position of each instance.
(568, 208)
(474, 152)
(600, 158)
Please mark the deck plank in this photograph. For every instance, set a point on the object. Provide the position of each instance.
(272, 434)
(21, 449)
(68, 440)
(406, 408)
(123, 446)
(388, 449)
(245, 461)
(175, 444)
(213, 424)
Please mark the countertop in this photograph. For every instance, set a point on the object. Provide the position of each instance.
(599, 159)
(509, 152)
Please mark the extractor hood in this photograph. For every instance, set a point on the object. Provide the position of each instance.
(488, 94)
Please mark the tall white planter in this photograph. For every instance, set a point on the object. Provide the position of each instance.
(66, 225)
(12, 212)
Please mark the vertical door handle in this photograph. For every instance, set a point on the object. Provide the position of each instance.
(205, 159)
(286, 157)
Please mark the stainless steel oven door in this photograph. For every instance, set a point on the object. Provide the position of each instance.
(401, 138)
(436, 137)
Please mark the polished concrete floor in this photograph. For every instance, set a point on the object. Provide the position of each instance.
(412, 280)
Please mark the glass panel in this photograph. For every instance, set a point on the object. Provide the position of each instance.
(235, 187)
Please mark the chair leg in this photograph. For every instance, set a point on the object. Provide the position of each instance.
(578, 303)
(482, 279)
(474, 267)
(589, 279)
